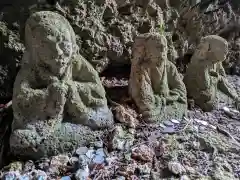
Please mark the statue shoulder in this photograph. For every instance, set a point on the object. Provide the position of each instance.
(81, 64)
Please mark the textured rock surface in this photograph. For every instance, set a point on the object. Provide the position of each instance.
(106, 28)
(205, 77)
(155, 84)
(56, 91)
(197, 20)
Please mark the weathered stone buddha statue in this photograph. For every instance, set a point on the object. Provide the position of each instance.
(205, 77)
(58, 99)
(155, 84)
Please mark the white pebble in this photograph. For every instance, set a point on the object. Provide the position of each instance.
(175, 121)
(90, 154)
(81, 150)
(205, 123)
(234, 111)
(226, 109)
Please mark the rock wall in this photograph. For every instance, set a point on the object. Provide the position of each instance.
(106, 29)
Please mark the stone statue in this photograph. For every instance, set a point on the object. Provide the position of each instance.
(155, 84)
(58, 98)
(205, 77)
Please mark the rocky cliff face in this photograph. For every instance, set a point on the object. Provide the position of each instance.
(106, 28)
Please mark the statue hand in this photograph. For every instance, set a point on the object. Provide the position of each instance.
(57, 95)
(59, 88)
(71, 86)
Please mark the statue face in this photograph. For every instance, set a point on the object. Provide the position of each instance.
(211, 51)
(55, 51)
(157, 50)
(138, 51)
(220, 52)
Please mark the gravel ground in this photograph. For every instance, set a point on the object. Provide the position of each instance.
(202, 146)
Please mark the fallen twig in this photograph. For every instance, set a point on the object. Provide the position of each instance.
(185, 127)
(226, 133)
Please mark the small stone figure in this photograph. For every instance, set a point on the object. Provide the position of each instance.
(205, 77)
(155, 84)
(58, 98)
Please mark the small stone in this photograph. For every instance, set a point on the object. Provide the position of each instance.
(169, 130)
(228, 112)
(162, 125)
(73, 160)
(184, 177)
(175, 121)
(98, 159)
(190, 170)
(40, 175)
(204, 123)
(101, 152)
(226, 109)
(16, 166)
(168, 123)
(120, 178)
(44, 166)
(81, 150)
(143, 153)
(122, 139)
(111, 160)
(53, 171)
(82, 174)
(235, 111)
(28, 166)
(60, 160)
(90, 153)
(222, 174)
(83, 160)
(144, 169)
(176, 168)
(66, 178)
(41, 178)
(24, 177)
(11, 175)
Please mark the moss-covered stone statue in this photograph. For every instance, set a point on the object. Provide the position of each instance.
(205, 77)
(58, 99)
(155, 84)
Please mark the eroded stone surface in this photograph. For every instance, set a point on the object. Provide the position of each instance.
(155, 84)
(205, 78)
(58, 96)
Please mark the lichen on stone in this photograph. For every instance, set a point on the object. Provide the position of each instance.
(155, 84)
(58, 97)
(205, 78)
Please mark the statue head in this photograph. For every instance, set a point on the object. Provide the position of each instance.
(212, 49)
(50, 40)
(150, 48)
(157, 48)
